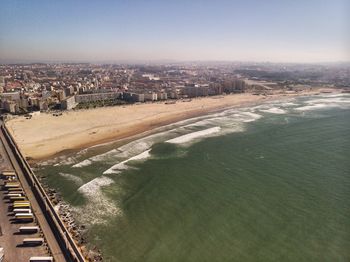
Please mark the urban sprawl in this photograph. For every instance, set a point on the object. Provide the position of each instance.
(30, 88)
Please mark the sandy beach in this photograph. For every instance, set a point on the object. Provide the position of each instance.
(45, 135)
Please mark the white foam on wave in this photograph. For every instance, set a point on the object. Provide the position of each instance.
(334, 95)
(82, 151)
(100, 157)
(135, 147)
(83, 163)
(126, 151)
(90, 188)
(122, 165)
(274, 110)
(77, 180)
(96, 158)
(250, 117)
(199, 123)
(288, 104)
(146, 143)
(99, 208)
(121, 152)
(320, 106)
(275, 104)
(334, 100)
(58, 161)
(329, 101)
(223, 119)
(191, 136)
(228, 120)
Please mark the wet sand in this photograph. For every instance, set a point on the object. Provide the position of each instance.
(45, 135)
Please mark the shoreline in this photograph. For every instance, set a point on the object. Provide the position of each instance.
(45, 136)
(64, 208)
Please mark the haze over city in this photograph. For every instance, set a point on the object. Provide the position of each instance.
(119, 31)
(183, 130)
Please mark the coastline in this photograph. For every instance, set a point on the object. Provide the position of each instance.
(46, 136)
(83, 233)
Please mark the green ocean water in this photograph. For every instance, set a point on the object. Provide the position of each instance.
(278, 190)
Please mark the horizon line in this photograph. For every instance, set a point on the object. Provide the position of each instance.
(155, 61)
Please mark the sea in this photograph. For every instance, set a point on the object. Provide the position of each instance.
(268, 182)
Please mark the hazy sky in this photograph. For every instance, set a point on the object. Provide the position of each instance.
(246, 30)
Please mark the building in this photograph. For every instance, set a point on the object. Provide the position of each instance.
(10, 96)
(234, 86)
(215, 89)
(195, 91)
(24, 102)
(68, 103)
(34, 102)
(10, 106)
(174, 94)
(151, 97)
(68, 91)
(133, 97)
(162, 96)
(43, 105)
(61, 95)
(10, 102)
(45, 94)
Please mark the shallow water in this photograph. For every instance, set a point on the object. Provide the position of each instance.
(272, 183)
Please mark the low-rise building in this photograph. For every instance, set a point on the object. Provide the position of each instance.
(68, 91)
(10, 106)
(43, 105)
(133, 97)
(61, 95)
(10, 96)
(24, 102)
(162, 96)
(68, 103)
(151, 97)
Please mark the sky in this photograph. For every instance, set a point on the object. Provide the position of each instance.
(179, 30)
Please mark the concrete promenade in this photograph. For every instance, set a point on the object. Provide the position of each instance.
(10, 238)
(58, 239)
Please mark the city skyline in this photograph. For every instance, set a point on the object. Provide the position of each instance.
(121, 31)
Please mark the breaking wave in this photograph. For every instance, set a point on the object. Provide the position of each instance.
(274, 110)
(122, 165)
(99, 208)
(83, 163)
(326, 101)
(77, 180)
(191, 136)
